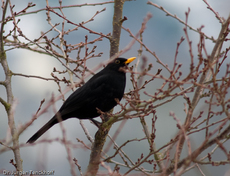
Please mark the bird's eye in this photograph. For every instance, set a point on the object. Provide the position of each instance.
(117, 62)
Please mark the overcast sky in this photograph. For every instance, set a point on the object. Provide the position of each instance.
(161, 36)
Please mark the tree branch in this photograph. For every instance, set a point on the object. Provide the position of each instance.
(10, 98)
(100, 136)
(117, 23)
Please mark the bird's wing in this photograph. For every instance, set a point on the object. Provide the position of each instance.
(87, 94)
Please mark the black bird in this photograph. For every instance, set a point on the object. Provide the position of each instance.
(99, 92)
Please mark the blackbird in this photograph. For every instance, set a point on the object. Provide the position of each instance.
(98, 94)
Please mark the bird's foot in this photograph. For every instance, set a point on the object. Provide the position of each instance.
(98, 124)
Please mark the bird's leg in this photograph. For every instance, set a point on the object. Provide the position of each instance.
(98, 124)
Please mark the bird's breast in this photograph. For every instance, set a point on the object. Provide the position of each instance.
(110, 89)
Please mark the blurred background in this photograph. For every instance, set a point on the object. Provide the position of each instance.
(161, 36)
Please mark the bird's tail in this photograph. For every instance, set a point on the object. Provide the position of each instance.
(40, 132)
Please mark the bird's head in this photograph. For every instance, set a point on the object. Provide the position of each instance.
(118, 63)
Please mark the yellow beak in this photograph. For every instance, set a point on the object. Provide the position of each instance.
(131, 59)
